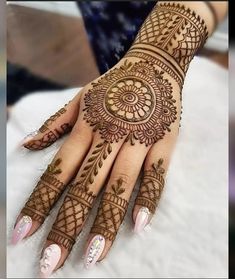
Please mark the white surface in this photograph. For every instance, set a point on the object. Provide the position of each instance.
(188, 236)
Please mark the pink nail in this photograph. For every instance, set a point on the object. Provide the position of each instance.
(94, 251)
(50, 259)
(21, 229)
(141, 219)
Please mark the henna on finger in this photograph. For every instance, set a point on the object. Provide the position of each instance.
(49, 138)
(78, 200)
(151, 187)
(111, 212)
(46, 193)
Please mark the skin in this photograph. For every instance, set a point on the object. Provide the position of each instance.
(77, 148)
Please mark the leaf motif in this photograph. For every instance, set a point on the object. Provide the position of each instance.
(100, 163)
(99, 145)
(121, 191)
(92, 158)
(58, 171)
(109, 148)
(57, 162)
(95, 170)
(91, 179)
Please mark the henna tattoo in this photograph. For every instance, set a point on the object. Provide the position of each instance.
(175, 30)
(46, 193)
(78, 200)
(161, 63)
(49, 138)
(71, 216)
(51, 119)
(100, 153)
(151, 187)
(134, 101)
(111, 212)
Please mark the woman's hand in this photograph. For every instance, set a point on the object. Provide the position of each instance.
(125, 119)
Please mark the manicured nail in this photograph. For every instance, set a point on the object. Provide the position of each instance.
(21, 229)
(141, 219)
(29, 137)
(94, 251)
(49, 260)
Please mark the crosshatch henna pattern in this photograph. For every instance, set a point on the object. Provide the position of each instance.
(151, 187)
(49, 138)
(132, 101)
(174, 29)
(45, 194)
(111, 212)
(78, 200)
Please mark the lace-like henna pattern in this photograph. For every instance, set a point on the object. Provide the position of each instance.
(151, 187)
(45, 194)
(175, 30)
(71, 216)
(49, 138)
(78, 200)
(111, 212)
(133, 101)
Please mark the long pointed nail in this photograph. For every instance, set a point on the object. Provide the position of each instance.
(29, 137)
(21, 229)
(94, 251)
(141, 219)
(49, 260)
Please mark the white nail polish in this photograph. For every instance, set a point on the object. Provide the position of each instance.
(94, 251)
(49, 260)
(142, 219)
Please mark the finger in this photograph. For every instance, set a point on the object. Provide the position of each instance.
(114, 203)
(153, 180)
(53, 182)
(55, 126)
(79, 199)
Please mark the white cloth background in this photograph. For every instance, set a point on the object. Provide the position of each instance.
(188, 236)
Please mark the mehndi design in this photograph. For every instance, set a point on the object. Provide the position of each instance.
(172, 31)
(78, 200)
(133, 101)
(151, 187)
(49, 138)
(45, 194)
(111, 212)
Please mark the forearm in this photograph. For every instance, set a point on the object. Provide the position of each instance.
(173, 32)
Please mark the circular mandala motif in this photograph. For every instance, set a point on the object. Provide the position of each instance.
(131, 100)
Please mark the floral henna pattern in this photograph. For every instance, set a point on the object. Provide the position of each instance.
(45, 194)
(49, 138)
(151, 187)
(78, 200)
(133, 101)
(111, 212)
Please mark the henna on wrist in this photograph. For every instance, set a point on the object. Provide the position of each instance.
(151, 187)
(45, 194)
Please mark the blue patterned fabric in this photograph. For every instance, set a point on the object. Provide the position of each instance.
(112, 27)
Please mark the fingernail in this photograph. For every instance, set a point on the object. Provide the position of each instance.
(21, 229)
(49, 260)
(94, 251)
(29, 137)
(141, 219)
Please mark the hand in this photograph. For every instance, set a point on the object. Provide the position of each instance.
(127, 118)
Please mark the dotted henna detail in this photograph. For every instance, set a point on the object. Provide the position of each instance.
(133, 101)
